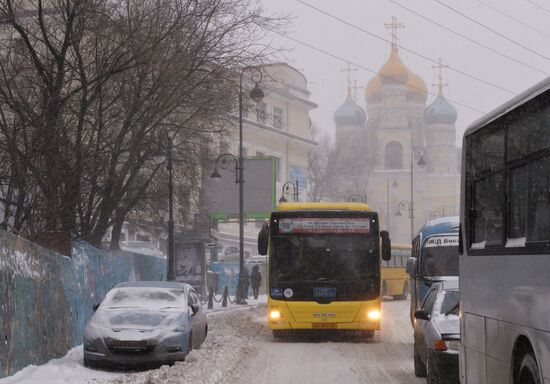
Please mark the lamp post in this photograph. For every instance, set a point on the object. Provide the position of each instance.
(256, 94)
(357, 198)
(418, 151)
(165, 153)
(290, 189)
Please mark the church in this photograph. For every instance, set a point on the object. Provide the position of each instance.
(399, 153)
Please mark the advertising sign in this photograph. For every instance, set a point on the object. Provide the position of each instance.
(191, 264)
(299, 174)
(329, 225)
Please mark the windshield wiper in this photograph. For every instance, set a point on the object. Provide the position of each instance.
(452, 309)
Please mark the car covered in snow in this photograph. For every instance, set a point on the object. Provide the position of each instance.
(437, 334)
(145, 323)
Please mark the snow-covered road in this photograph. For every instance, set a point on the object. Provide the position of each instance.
(385, 359)
(240, 349)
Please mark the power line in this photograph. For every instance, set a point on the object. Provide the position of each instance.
(469, 38)
(492, 30)
(513, 18)
(539, 6)
(334, 56)
(434, 61)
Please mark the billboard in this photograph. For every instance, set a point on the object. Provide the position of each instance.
(299, 174)
(222, 194)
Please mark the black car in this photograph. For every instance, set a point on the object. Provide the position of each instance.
(437, 334)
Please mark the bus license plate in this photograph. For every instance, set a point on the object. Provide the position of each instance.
(324, 292)
(324, 325)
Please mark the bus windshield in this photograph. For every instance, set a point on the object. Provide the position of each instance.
(440, 261)
(321, 258)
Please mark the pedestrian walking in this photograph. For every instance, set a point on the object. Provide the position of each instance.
(246, 281)
(256, 280)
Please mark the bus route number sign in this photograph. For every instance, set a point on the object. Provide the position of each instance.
(316, 226)
(441, 241)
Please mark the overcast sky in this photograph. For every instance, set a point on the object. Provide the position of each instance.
(328, 84)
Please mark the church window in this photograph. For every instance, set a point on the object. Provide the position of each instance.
(394, 155)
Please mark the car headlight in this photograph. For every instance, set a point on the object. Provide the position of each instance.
(374, 315)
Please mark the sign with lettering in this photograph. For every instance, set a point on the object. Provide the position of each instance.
(441, 241)
(329, 225)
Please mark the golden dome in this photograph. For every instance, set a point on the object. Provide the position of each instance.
(416, 88)
(372, 90)
(394, 71)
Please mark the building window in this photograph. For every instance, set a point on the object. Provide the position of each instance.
(394, 155)
(261, 113)
(277, 117)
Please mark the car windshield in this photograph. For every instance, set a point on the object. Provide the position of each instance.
(450, 303)
(144, 298)
(440, 261)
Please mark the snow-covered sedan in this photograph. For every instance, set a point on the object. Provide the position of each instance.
(437, 334)
(145, 323)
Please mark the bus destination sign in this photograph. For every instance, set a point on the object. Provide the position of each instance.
(327, 225)
(441, 241)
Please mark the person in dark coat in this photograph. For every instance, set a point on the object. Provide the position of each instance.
(256, 280)
(246, 281)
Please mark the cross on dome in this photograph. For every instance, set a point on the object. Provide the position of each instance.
(440, 84)
(349, 70)
(394, 25)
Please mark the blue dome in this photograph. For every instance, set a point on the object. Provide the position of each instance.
(350, 113)
(440, 112)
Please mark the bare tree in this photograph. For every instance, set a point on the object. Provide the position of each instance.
(86, 88)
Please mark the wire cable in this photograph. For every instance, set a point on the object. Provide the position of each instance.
(502, 54)
(492, 30)
(513, 18)
(434, 61)
(334, 56)
(539, 6)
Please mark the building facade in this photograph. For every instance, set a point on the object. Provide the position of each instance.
(279, 127)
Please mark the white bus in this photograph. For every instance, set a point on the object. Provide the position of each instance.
(505, 243)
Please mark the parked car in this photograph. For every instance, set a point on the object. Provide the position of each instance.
(143, 247)
(142, 323)
(437, 334)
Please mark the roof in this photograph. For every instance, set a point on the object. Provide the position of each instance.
(152, 284)
(315, 206)
(441, 225)
(513, 103)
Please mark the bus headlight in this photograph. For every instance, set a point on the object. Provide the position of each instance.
(274, 315)
(374, 315)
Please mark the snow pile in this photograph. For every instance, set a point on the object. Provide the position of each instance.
(67, 370)
(231, 338)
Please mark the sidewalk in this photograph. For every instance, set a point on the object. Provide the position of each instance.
(250, 303)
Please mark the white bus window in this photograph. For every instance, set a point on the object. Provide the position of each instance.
(488, 208)
(486, 152)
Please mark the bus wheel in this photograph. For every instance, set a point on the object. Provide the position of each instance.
(529, 370)
(403, 296)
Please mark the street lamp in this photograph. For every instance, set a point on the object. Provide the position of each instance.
(256, 94)
(357, 198)
(290, 189)
(165, 154)
(415, 152)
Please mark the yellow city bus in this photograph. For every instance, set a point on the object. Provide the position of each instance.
(324, 267)
(395, 281)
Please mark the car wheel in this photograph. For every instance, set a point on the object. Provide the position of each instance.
(419, 366)
(190, 343)
(529, 370)
(432, 374)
